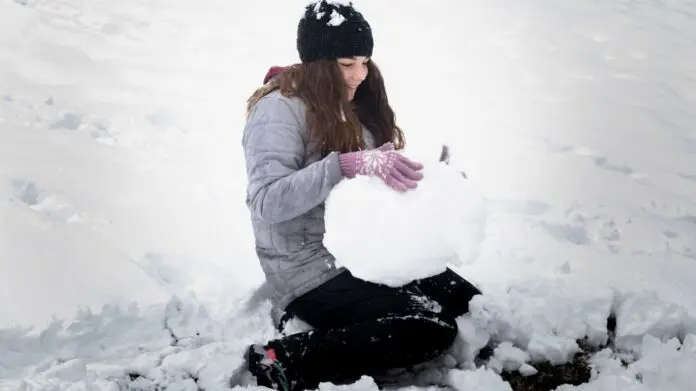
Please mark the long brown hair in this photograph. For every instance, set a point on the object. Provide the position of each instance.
(333, 121)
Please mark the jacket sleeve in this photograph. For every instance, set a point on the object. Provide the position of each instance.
(279, 188)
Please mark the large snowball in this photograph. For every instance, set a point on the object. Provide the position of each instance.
(392, 238)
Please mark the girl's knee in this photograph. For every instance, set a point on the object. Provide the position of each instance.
(447, 332)
(429, 333)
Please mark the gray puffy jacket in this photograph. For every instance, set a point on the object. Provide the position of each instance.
(287, 186)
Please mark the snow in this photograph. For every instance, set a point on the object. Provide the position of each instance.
(478, 379)
(344, 3)
(405, 236)
(336, 18)
(126, 256)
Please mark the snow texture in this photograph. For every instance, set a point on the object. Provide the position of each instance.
(336, 18)
(126, 256)
(393, 238)
(345, 3)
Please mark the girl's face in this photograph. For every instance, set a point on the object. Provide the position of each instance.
(354, 71)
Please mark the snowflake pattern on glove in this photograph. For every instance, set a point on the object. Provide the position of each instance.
(374, 162)
(396, 170)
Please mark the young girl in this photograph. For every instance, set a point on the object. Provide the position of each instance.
(309, 126)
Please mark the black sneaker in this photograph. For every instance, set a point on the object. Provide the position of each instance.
(269, 372)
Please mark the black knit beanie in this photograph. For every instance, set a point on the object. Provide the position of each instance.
(332, 29)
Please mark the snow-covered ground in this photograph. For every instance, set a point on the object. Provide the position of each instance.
(122, 181)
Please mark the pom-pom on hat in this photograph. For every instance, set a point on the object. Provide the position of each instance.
(332, 29)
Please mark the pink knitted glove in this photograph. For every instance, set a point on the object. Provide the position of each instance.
(396, 170)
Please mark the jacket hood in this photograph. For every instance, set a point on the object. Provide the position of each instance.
(270, 84)
(273, 72)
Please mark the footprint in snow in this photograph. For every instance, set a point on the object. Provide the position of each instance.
(46, 114)
(688, 177)
(582, 229)
(51, 206)
(69, 121)
(596, 158)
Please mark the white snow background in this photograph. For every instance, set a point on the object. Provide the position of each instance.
(122, 182)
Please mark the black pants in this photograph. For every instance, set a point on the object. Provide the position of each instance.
(363, 328)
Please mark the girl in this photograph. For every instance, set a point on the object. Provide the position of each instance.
(309, 126)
